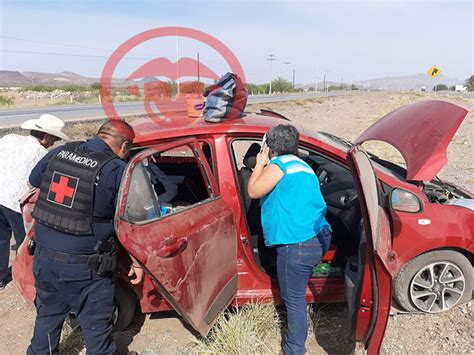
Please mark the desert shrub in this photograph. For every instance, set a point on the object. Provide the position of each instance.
(6, 101)
(157, 89)
(440, 87)
(74, 88)
(39, 88)
(193, 87)
(469, 83)
(281, 85)
(251, 329)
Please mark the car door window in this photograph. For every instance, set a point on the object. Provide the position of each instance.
(166, 182)
(142, 202)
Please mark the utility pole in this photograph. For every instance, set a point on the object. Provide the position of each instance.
(177, 67)
(270, 58)
(324, 82)
(198, 66)
(293, 86)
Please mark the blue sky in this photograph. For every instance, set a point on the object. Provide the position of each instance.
(352, 40)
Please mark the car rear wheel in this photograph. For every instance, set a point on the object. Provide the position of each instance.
(434, 282)
(126, 304)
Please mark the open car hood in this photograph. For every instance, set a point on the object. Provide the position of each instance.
(421, 132)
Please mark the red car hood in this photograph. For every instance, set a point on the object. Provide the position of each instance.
(421, 132)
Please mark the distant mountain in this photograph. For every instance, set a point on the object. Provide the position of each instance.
(406, 82)
(15, 78)
(320, 85)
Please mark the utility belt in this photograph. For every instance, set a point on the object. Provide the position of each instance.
(103, 262)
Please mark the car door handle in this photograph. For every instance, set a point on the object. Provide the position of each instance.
(171, 246)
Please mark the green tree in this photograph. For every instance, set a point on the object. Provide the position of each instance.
(252, 88)
(440, 87)
(469, 83)
(281, 85)
(95, 86)
(452, 88)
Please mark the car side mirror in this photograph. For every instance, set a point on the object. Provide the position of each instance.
(405, 201)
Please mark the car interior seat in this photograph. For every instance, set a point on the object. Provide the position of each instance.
(250, 160)
(263, 255)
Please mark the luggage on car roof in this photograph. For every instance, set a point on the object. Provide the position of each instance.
(225, 100)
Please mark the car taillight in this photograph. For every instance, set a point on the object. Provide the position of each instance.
(405, 201)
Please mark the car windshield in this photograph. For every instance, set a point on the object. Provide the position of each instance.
(387, 167)
(330, 139)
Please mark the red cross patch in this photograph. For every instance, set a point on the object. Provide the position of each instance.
(62, 189)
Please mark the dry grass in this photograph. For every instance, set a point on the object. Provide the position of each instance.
(251, 329)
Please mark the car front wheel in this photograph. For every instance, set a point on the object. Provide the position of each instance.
(434, 282)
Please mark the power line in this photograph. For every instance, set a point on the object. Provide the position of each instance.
(55, 43)
(71, 54)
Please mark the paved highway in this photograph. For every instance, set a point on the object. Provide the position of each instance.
(14, 117)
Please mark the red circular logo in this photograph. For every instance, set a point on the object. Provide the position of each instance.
(189, 101)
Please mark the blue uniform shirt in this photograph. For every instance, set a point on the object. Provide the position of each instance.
(294, 211)
(106, 192)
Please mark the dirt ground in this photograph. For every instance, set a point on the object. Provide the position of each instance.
(345, 116)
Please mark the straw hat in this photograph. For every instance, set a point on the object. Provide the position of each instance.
(48, 124)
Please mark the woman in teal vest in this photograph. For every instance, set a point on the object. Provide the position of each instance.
(293, 220)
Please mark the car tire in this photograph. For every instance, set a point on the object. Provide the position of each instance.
(434, 282)
(126, 304)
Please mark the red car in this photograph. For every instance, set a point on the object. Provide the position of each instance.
(394, 228)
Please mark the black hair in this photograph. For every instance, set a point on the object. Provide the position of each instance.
(283, 139)
(37, 134)
(117, 129)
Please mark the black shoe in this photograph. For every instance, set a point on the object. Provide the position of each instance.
(2, 284)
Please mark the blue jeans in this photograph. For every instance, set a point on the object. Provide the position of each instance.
(295, 264)
(10, 221)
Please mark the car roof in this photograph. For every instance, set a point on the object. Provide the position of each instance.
(148, 130)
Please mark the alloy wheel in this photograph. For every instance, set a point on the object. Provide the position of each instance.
(437, 287)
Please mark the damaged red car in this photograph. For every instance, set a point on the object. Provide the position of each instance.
(398, 232)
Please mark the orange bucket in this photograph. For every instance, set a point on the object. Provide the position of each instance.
(195, 106)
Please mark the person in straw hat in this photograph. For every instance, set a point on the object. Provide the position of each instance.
(18, 155)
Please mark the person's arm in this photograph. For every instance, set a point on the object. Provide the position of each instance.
(264, 178)
(36, 175)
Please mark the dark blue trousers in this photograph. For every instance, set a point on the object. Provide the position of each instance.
(62, 288)
(10, 221)
(295, 264)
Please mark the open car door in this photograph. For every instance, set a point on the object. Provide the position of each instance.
(191, 253)
(369, 275)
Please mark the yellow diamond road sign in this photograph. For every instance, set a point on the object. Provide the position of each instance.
(434, 71)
